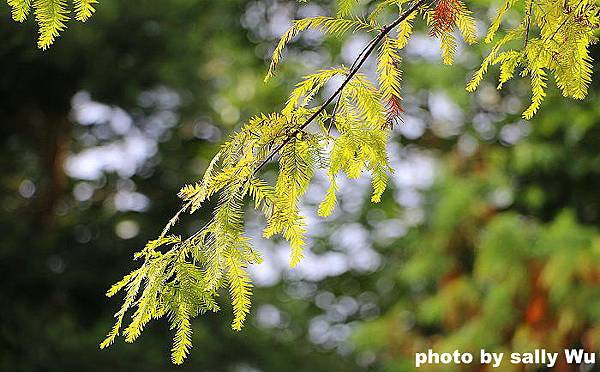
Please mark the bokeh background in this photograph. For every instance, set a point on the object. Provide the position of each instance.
(487, 238)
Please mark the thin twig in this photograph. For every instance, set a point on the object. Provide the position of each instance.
(174, 219)
(528, 23)
(361, 61)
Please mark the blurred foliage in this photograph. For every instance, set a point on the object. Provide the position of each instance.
(501, 252)
(507, 257)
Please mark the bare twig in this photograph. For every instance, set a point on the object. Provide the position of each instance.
(174, 219)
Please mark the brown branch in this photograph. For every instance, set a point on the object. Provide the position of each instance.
(528, 23)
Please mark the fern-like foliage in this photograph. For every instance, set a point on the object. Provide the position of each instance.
(446, 16)
(553, 38)
(51, 15)
(20, 9)
(181, 278)
(84, 9)
(388, 67)
(344, 7)
(329, 25)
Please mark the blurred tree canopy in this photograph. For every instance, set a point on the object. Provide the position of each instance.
(487, 238)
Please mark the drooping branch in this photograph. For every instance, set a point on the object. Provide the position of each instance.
(355, 67)
(358, 63)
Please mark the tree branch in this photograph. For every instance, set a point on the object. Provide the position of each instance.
(360, 60)
(356, 65)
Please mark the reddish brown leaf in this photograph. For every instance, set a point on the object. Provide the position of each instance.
(444, 16)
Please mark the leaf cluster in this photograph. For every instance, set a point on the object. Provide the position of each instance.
(51, 15)
(554, 37)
